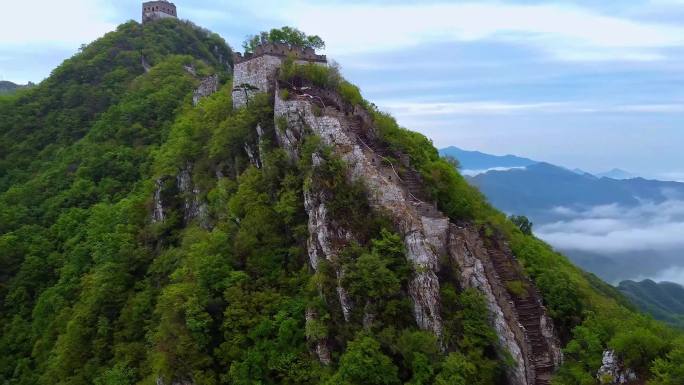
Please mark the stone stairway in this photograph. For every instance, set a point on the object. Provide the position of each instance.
(529, 311)
(410, 179)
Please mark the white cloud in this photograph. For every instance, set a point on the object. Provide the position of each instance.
(411, 109)
(656, 108)
(565, 32)
(676, 176)
(467, 172)
(465, 108)
(672, 274)
(616, 229)
(63, 23)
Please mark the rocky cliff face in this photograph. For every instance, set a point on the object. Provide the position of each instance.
(613, 370)
(326, 239)
(525, 332)
(523, 328)
(194, 207)
(184, 195)
(387, 194)
(467, 251)
(208, 86)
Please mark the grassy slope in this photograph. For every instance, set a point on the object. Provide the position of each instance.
(664, 300)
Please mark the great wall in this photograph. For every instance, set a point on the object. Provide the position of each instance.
(159, 9)
(525, 331)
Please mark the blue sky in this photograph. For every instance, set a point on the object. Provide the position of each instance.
(589, 84)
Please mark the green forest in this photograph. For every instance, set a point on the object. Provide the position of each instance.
(92, 291)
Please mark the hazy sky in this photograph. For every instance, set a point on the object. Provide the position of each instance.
(589, 84)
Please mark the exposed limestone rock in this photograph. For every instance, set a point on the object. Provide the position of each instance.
(208, 86)
(326, 239)
(522, 324)
(260, 143)
(436, 233)
(613, 371)
(158, 206)
(527, 336)
(194, 207)
(190, 69)
(387, 194)
(252, 155)
(146, 66)
(467, 251)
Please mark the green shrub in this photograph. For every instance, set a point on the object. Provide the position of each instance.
(517, 288)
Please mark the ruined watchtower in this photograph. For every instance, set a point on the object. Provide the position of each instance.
(155, 10)
(255, 71)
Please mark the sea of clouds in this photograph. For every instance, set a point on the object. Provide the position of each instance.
(475, 172)
(649, 229)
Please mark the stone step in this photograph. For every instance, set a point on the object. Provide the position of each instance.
(529, 313)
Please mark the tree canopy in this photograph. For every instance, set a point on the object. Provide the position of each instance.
(285, 35)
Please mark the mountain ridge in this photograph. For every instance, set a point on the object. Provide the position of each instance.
(542, 187)
(476, 160)
(165, 237)
(664, 300)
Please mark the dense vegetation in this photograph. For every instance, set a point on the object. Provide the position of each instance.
(590, 315)
(285, 35)
(94, 292)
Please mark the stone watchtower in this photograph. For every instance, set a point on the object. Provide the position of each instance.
(255, 71)
(155, 10)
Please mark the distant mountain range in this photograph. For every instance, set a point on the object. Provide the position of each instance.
(568, 202)
(541, 187)
(476, 160)
(664, 300)
(520, 185)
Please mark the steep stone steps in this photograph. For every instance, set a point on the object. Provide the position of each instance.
(529, 312)
(409, 178)
(527, 307)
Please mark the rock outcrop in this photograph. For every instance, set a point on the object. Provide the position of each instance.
(208, 86)
(523, 328)
(467, 251)
(613, 370)
(179, 193)
(326, 238)
(194, 207)
(485, 262)
(158, 214)
(388, 194)
(522, 325)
